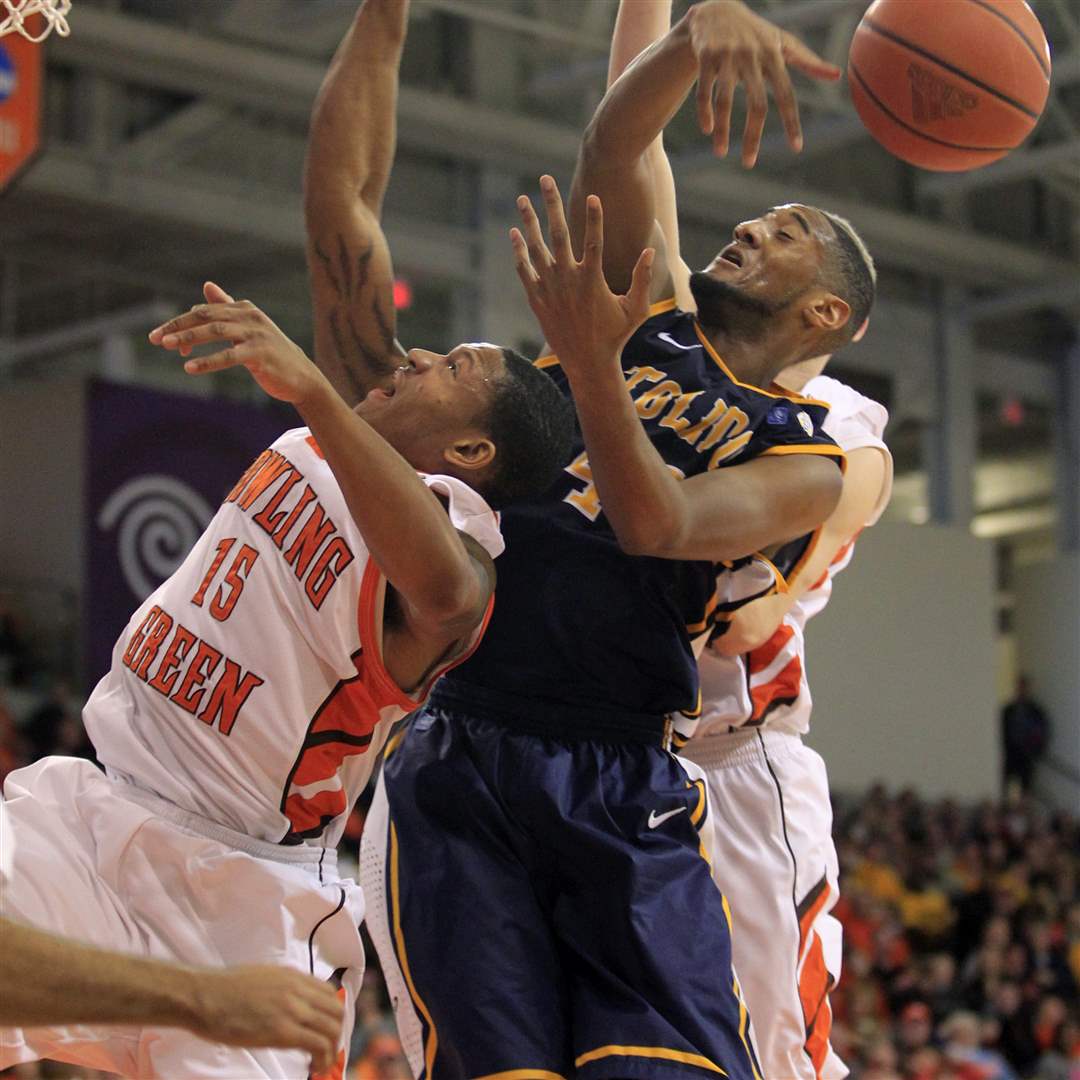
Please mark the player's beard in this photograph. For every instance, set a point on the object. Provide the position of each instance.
(725, 307)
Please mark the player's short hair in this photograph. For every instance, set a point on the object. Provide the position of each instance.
(532, 425)
(850, 273)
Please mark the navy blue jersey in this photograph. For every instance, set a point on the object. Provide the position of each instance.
(579, 623)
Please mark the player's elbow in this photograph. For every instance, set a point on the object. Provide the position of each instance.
(658, 535)
(600, 146)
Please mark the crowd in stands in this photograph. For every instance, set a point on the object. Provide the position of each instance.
(961, 923)
(961, 939)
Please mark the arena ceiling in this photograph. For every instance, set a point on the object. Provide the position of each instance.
(175, 143)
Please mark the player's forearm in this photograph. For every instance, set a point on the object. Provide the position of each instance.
(638, 492)
(47, 980)
(642, 101)
(354, 120)
(405, 527)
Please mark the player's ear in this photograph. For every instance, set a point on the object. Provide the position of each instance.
(826, 312)
(472, 452)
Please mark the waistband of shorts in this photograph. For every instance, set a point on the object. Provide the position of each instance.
(729, 751)
(307, 857)
(549, 719)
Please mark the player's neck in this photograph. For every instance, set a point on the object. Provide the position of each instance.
(755, 361)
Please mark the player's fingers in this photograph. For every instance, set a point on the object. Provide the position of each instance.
(725, 95)
(199, 314)
(593, 259)
(534, 236)
(757, 105)
(215, 294)
(556, 215)
(638, 296)
(204, 334)
(522, 262)
(784, 96)
(219, 361)
(706, 80)
(806, 60)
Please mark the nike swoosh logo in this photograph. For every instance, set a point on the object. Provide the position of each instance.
(665, 336)
(658, 819)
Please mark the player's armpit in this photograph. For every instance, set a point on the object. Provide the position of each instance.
(418, 640)
(754, 624)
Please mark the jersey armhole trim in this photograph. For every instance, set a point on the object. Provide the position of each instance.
(371, 638)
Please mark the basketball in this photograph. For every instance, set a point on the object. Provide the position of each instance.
(949, 86)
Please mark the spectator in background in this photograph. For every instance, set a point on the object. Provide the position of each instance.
(1025, 732)
(962, 1037)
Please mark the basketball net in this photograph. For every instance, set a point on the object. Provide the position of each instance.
(14, 15)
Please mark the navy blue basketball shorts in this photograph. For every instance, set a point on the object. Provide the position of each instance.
(544, 908)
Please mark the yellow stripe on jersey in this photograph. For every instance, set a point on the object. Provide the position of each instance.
(523, 1074)
(744, 1020)
(654, 1052)
(399, 942)
(394, 742)
(815, 448)
(698, 812)
(717, 359)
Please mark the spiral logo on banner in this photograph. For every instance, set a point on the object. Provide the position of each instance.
(158, 519)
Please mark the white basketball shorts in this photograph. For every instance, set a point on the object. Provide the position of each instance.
(774, 859)
(105, 864)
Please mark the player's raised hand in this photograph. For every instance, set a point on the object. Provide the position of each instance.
(269, 1006)
(582, 318)
(278, 365)
(733, 45)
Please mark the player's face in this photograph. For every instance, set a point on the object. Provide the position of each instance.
(775, 257)
(435, 399)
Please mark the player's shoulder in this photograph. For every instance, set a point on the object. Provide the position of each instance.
(847, 405)
(469, 511)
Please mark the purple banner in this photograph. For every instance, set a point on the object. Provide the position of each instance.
(158, 466)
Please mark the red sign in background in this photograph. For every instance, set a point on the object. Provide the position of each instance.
(20, 104)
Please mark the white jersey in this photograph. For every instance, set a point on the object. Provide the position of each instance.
(249, 689)
(768, 686)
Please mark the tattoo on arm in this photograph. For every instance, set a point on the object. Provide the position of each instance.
(328, 266)
(345, 263)
(374, 359)
(362, 261)
(385, 329)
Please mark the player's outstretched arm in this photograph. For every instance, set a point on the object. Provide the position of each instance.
(48, 980)
(638, 24)
(752, 625)
(722, 514)
(718, 44)
(349, 154)
(444, 583)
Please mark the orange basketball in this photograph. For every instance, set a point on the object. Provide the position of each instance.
(949, 84)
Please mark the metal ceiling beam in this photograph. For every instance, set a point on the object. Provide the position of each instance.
(141, 317)
(497, 16)
(1017, 166)
(207, 202)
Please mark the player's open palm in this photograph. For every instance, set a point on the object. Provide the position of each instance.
(583, 320)
(733, 45)
(272, 1007)
(275, 362)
